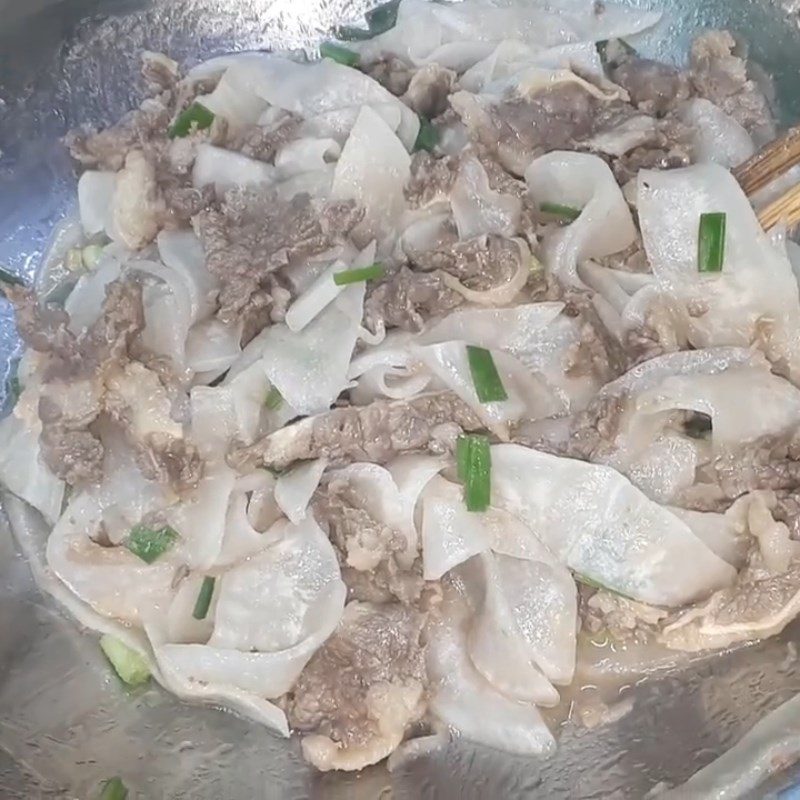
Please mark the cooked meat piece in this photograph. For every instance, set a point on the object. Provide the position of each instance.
(260, 142)
(429, 89)
(605, 354)
(252, 234)
(138, 203)
(516, 130)
(480, 263)
(108, 149)
(160, 72)
(499, 179)
(69, 449)
(171, 461)
(376, 432)
(391, 73)
(758, 605)
(632, 259)
(622, 619)
(787, 510)
(653, 87)
(594, 430)
(45, 330)
(137, 399)
(431, 179)
(362, 689)
(719, 75)
(670, 147)
(373, 555)
(406, 299)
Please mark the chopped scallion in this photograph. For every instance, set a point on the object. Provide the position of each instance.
(10, 277)
(73, 261)
(131, 666)
(339, 54)
(91, 255)
(204, 598)
(369, 273)
(274, 399)
(114, 789)
(196, 117)
(485, 376)
(382, 18)
(711, 242)
(379, 20)
(150, 543)
(558, 210)
(428, 136)
(477, 472)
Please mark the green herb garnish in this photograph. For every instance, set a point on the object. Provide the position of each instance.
(339, 54)
(204, 598)
(485, 376)
(114, 789)
(196, 117)
(711, 242)
(274, 399)
(150, 543)
(558, 210)
(369, 273)
(131, 667)
(474, 464)
(428, 136)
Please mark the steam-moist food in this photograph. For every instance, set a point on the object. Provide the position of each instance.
(382, 378)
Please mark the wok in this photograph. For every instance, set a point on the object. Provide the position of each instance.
(66, 722)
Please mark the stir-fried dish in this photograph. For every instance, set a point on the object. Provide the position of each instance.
(366, 388)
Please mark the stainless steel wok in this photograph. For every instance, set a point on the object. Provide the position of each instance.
(66, 723)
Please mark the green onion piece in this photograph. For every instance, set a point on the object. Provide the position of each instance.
(91, 254)
(462, 457)
(711, 242)
(485, 376)
(382, 18)
(13, 389)
(150, 543)
(428, 136)
(204, 598)
(339, 54)
(379, 20)
(196, 116)
(274, 399)
(73, 261)
(557, 210)
(477, 480)
(10, 277)
(369, 273)
(114, 789)
(128, 664)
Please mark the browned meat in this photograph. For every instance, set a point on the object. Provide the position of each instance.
(107, 149)
(70, 450)
(429, 89)
(653, 87)
(373, 556)
(431, 179)
(171, 461)
(45, 330)
(594, 430)
(261, 142)
(391, 73)
(160, 72)
(480, 263)
(406, 299)
(362, 689)
(668, 148)
(376, 432)
(719, 75)
(252, 234)
(516, 130)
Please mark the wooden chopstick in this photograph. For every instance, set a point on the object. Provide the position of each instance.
(785, 208)
(769, 162)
